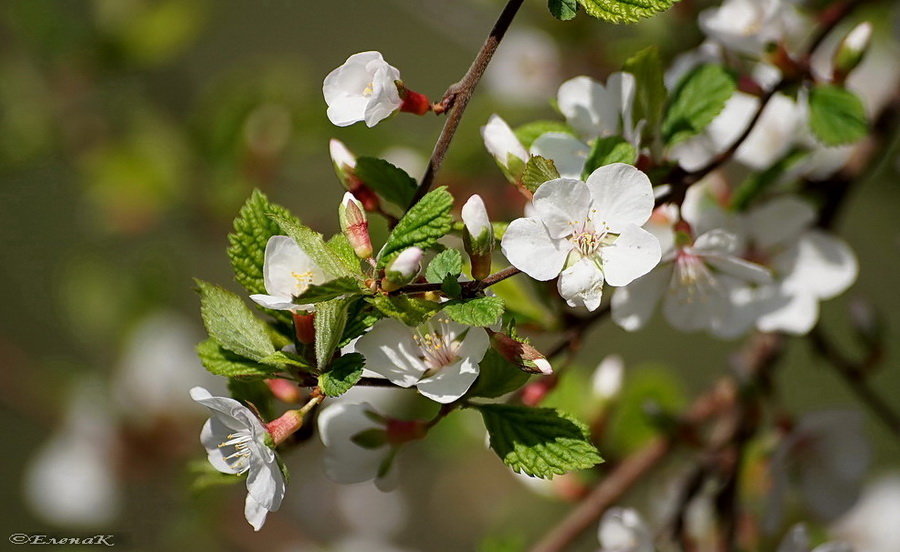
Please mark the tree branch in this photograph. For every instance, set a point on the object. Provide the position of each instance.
(458, 95)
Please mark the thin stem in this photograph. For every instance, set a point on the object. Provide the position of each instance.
(467, 287)
(458, 95)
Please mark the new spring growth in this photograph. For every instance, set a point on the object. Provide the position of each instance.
(851, 51)
(353, 221)
(521, 354)
(403, 269)
(478, 236)
(345, 167)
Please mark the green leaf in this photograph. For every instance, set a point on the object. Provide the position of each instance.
(332, 289)
(650, 89)
(422, 226)
(247, 244)
(313, 244)
(360, 317)
(331, 318)
(447, 262)
(253, 393)
(836, 115)
(340, 246)
(537, 171)
(497, 376)
(390, 182)
(625, 11)
(481, 311)
(280, 359)
(540, 442)
(757, 183)
(564, 10)
(699, 98)
(409, 310)
(529, 132)
(231, 323)
(344, 374)
(451, 286)
(204, 476)
(611, 149)
(222, 362)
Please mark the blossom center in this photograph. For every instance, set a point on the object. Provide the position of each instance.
(438, 347)
(694, 276)
(303, 281)
(239, 460)
(586, 239)
(369, 89)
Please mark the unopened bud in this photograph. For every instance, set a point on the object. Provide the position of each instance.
(403, 269)
(607, 379)
(344, 161)
(352, 217)
(521, 354)
(508, 151)
(851, 51)
(478, 236)
(413, 102)
(284, 390)
(304, 327)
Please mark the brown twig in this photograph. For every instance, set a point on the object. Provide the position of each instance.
(468, 288)
(458, 95)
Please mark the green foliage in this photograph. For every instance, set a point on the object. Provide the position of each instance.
(422, 226)
(344, 373)
(312, 243)
(625, 11)
(611, 149)
(231, 323)
(481, 311)
(836, 115)
(204, 476)
(332, 289)
(699, 98)
(446, 263)
(564, 10)
(247, 244)
(331, 318)
(222, 362)
(409, 310)
(537, 171)
(390, 182)
(497, 376)
(340, 246)
(253, 393)
(360, 317)
(650, 89)
(529, 132)
(540, 442)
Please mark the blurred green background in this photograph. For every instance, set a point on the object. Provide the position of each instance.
(130, 133)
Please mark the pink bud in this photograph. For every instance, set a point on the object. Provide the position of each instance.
(355, 226)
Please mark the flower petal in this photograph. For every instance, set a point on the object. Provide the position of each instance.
(285, 263)
(277, 303)
(391, 351)
(501, 141)
(581, 285)
(622, 195)
(779, 221)
(787, 311)
(265, 481)
(562, 204)
(820, 264)
(345, 461)
(450, 382)
(254, 512)
(588, 107)
(739, 268)
(633, 305)
(567, 152)
(634, 253)
(214, 432)
(528, 246)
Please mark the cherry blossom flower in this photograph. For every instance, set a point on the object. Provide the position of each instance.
(748, 26)
(871, 525)
(364, 88)
(440, 357)
(701, 281)
(567, 152)
(478, 236)
(809, 265)
(357, 445)
(595, 110)
(825, 456)
(797, 540)
(237, 442)
(287, 272)
(525, 68)
(623, 530)
(508, 151)
(587, 233)
(403, 269)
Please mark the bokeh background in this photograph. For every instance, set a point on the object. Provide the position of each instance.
(131, 131)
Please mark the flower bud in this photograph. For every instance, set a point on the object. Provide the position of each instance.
(344, 161)
(851, 51)
(304, 327)
(521, 354)
(506, 148)
(478, 236)
(355, 226)
(403, 269)
(607, 379)
(285, 425)
(413, 102)
(284, 390)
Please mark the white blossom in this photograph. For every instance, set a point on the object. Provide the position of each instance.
(623, 530)
(871, 525)
(595, 110)
(525, 68)
(237, 442)
(809, 265)
(347, 460)
(362, 89)
(587, 233)
(748, 26)
(440, 357)
(475, 218)
(567, 152)
(287, 272)
(501, 142)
